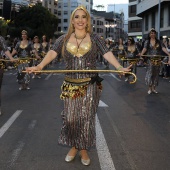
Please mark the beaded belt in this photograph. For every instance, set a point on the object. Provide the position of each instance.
(72, 80)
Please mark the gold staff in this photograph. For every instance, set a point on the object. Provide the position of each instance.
(87, 71)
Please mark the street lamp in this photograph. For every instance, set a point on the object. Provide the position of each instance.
(110, 26)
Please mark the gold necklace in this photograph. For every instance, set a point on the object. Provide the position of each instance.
(78, 44)
(80, 37)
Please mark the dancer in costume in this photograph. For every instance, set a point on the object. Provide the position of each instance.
(38, 48)
(132, 53)
(153, 47)
(24, 50)
(80, 91)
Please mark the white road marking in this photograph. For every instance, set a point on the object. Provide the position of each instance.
(48, 76)
(6, 126)
(32, 124)
(102, 104)
(16, 152)
(105, 159)
(115, 77)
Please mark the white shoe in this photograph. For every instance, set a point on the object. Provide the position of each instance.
(154, 91)
(126, 79)
(27, 88)
(21, 88)
(149, 91)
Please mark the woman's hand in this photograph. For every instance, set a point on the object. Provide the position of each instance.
(127, 69)
(33, 69)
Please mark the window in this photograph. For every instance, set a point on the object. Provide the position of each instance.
(153, 19)
(59, 5)
(65, 20)
(93, 21)
(65, 12)
(65, 5)
(55, 11)
(162, 18)
(59, 28)
(133, 9)
(146, 23)
(59, 20)
(59, 12)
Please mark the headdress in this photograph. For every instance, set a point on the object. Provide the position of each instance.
(24, 32)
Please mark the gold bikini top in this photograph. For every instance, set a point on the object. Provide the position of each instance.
(83, 49)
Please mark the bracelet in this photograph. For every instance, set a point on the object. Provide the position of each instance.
(119, 68)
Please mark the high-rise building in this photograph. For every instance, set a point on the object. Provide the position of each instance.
(134, 22)
(152, 18)
(63, 9)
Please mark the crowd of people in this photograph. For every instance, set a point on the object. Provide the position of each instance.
(152, 53)
(81, 91)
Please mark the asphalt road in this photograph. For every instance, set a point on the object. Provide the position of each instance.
(133, 128)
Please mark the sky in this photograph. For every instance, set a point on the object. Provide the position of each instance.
(105, 2)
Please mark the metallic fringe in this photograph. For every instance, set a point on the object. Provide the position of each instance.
(73, 91)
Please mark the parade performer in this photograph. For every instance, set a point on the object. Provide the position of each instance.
(153, 47)
(132, 53)
(80, 91)
(121, 51)
(24, 50)
(3, 50)
(38, 48)
(45, 45)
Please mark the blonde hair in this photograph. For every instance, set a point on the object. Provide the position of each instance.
(71, 27)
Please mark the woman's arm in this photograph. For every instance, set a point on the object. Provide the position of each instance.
(8, 54)
(112, 60)
(51, 55)
(165, 51)
(14, 52)
(143, 52)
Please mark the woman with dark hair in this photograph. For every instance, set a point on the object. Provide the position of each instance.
(121, 51)
(80, 91)
(4, 50)
(38, 48)
(24, 50)
(131, 53)
(45, 45)
(153, 47)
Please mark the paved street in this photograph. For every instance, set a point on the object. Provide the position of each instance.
(132, 127)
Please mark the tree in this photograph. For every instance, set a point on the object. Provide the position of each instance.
(3, 27)
(37, 20)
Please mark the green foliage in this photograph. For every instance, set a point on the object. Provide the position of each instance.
(3, 27)
(37, 20)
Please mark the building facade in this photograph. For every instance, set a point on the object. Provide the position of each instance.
(63, 9)
(148, 10)
(134, 21)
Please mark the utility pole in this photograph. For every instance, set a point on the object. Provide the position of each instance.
(159, 17)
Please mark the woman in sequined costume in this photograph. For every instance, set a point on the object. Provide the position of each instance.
(132, 53)
(3, 50)
(80, 91)
(38, 48)
(121, 51)
(24, 50)
(153, 46)
(45, 45)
